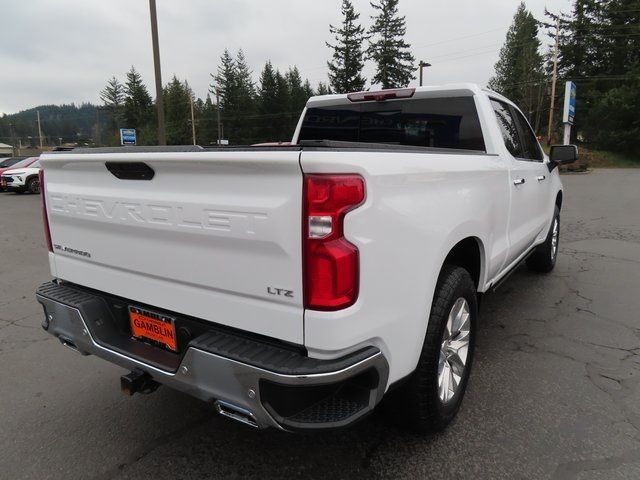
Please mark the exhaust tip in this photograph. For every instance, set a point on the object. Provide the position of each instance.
(236, 413)
(70, 344)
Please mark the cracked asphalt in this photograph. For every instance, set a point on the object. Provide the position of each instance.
(554, 392)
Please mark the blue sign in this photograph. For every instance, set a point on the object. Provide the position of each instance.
(569, 103)
(127, 136)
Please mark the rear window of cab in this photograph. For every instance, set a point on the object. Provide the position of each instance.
(450, 122)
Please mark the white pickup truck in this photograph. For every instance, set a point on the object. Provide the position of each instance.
(292, 286)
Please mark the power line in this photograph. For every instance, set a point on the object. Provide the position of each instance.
(459, 38)
(593, 78)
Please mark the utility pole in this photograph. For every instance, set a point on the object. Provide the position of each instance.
(218, 109)
(422, 65)
(553, 80)
(193, 122)
(39, 129)
(98, 133)
(162, 138)
(13, 140)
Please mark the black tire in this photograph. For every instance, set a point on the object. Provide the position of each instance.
(419, 398)
(33, 185)
(544, 257)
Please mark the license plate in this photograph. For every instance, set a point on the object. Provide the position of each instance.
(154, 326)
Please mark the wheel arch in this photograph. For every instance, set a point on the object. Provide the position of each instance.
(30, 177)
(559, 200)
(469, 254)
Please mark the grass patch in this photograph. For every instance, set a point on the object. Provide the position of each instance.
(604, 159)
(588, 158)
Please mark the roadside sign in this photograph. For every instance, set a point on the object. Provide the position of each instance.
(223, 142)
(569, 103)
(127, 136)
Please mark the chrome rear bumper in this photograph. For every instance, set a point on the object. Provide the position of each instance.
(257, 391)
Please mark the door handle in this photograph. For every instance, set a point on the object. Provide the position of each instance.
(541, 178)
(518, 181)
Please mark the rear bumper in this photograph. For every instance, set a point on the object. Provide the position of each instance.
(256, 382)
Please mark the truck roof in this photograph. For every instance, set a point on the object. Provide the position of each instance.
(427, 91)
(430, 91)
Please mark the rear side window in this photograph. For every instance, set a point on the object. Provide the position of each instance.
(9, 162)
(530, 144)
(434, 122)
(23, 163)
(508, 128)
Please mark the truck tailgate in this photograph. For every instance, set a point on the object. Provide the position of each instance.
(214, 234)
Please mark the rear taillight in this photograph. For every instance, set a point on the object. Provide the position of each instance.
(331, 263)
(45, 218)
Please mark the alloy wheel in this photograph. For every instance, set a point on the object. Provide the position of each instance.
(555, 234)
(454, 350)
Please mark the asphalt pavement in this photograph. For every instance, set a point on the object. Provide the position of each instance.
(554, 391)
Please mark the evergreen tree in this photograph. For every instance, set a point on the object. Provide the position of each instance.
(113, 94)
(613, 122)
(207, 127)
(177, 108)
(138, 107)
(600, 52)
(323, 89)
(113, 98)
(387, 47)
(246, 90)
(285, 115)
(268, 106)
(345, 68)
(225, 81)
(283, 94)
(274, 104)
(623, 17)
(244, 104)
(308, 90)
(268, 89)
(519, 72)
(237, 97)
(298, 94)
(58, 121)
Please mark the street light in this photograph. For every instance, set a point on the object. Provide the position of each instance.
(422, 64)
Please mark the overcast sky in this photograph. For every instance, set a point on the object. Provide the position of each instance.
(63, 51)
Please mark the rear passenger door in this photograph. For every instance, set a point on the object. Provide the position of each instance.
(524, 213)
(542, 186)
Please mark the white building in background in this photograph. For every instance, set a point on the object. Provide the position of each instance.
(5, 150)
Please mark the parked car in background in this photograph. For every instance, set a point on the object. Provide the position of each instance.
(22, 177)
(9, 162)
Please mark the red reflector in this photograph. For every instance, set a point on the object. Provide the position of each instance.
(331, 269)
(381, 95)
(45, 218)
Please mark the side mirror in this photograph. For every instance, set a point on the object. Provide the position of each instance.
(563, 154)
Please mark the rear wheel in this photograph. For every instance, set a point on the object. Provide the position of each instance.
(544, 256)
(433, 395)
(33, 185)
